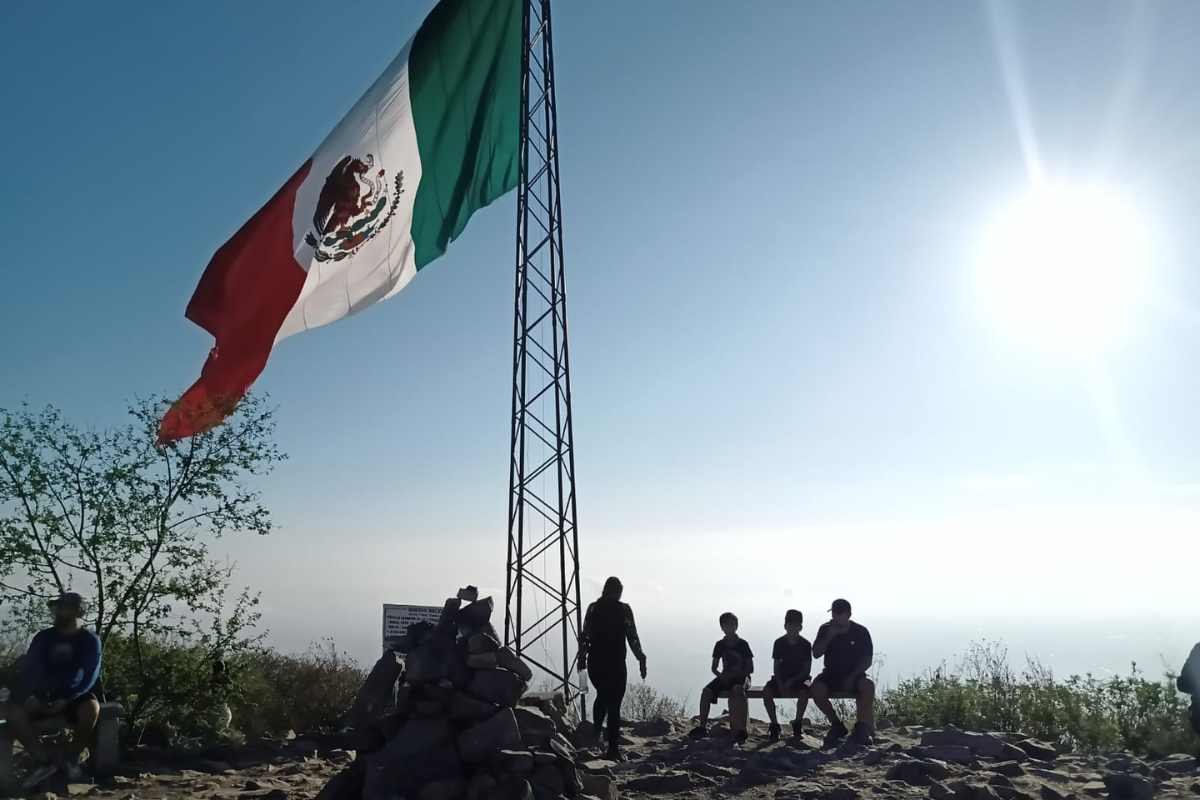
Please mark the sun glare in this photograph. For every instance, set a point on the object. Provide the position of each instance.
(1064, 265)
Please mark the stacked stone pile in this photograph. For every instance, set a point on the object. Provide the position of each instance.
(462, 727)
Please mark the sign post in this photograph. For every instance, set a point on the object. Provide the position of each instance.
(397, 618)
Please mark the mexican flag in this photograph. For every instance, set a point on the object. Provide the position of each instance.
(433, 140)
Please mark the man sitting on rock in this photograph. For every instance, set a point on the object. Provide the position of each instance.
(848, 652)
(1189, 683)
(792, 655)
(57, 675)
(732, 664)
(606, 627)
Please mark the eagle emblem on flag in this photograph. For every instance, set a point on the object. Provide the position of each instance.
(353, 207)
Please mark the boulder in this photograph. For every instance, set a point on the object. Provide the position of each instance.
(434, 659)
(448, 621)
(1010, 769)
(443, 790)
(600, 787)
(799, 790)
(496, 686)
(482, 642)
(1010, 752)
(666, 783)
(511, 762)
(1039, 750)
(940, 791)
(346, 785)
(500, 732)
(507, 659)
(549, 778)
(480, 786)
(1048, 792)
(376, 692)
(1128, 787)
(536, 728)
(416, 736)
(980, 744)
(512, 789)
(918, 773)
(477, 614)
(482, 661)
(873, 757)
(1055, 775)
(1179, 764)
(948, 752)
(652, 728)
(464, 708)
(404, 776)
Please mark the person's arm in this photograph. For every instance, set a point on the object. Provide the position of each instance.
(868, 657)
(821, 644)
(88, 669)
(585, 637)
(30, 677)
(716, 665)
(635, 643)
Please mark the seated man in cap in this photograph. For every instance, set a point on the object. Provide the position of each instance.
(1189, 683)
(56, 678)
(848, 652)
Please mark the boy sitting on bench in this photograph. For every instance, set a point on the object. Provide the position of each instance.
(792, 654)
(57, 676)
(732, 654)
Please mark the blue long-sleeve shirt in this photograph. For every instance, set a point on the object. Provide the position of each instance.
(61, 666)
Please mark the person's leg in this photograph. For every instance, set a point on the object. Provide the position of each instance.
(21, 716)
(615, 697)
(706, 701)
(600, 682)
(769, 702)
(820, 697)
(801, 704)
(87, 713)
(865, 698)
(739, 708)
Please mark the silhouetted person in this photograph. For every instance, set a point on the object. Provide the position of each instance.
(607, 626)
(1189, 683)
(848, 652)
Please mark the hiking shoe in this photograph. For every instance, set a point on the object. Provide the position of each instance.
(773, 732)
(698, 732)
(40, 773)
(614, 754)
(837, 732)
(740, 737)
(862, 735)
(797, 728)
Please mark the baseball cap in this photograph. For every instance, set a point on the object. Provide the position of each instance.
(840, 606)
(70, 599)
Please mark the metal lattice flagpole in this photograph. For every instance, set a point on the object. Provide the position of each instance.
(542, 619)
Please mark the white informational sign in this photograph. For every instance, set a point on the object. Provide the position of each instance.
(396, 619)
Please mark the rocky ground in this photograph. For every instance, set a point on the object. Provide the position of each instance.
(916, 763)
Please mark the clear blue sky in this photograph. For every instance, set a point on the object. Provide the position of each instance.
(773, 218)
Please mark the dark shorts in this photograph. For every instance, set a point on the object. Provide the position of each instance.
(71, 710)
(719, 685)
(773, 686)
(836, 681)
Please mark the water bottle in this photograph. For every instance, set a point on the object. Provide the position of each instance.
(583, 682)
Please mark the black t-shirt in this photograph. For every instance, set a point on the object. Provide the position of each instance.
(796, 658)
(847, 650)
(735, 656)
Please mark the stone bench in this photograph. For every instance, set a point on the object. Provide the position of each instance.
(756, 693)
(105, 746)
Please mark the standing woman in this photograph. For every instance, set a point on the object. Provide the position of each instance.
(606, 628)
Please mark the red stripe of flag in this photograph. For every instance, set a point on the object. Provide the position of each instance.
(244, 295)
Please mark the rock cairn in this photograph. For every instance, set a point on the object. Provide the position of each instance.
(462, 726)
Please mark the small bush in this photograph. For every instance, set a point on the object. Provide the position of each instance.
(982, 692)
(644, 702)
(304, 692)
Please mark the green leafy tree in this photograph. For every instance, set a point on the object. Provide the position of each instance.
(128, 524)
